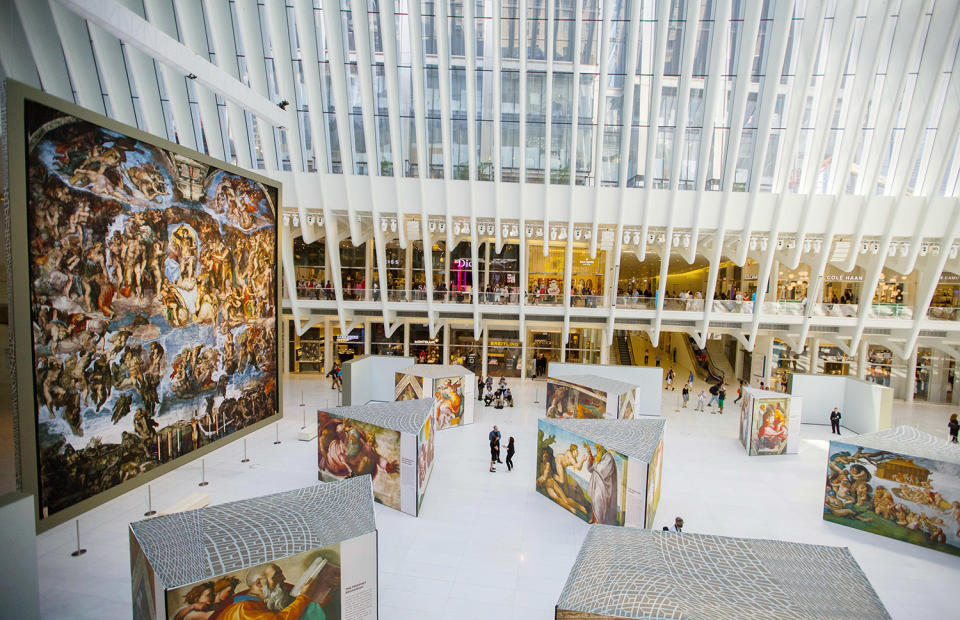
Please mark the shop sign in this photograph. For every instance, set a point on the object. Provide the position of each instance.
(844, 278)
(462, 263)
(424, 341)
(349, 338)
(503, 343)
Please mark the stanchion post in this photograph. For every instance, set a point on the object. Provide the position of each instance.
(80, 551)
(203, 473)
(244, 459)
(277, 429)
(150, 511)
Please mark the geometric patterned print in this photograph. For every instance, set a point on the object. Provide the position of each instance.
(630, 573)
(909, 440)
(610, 386)
(406, 416)
(437, 371)
(636, 439)
(191, 546)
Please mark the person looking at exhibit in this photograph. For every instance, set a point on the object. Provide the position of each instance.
(677, 525)
(954, 426)
(685, 392)
(511, 450)
(835, 421)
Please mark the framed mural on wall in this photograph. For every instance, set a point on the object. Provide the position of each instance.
(144, 295)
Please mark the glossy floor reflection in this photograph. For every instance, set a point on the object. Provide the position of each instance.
(487, 545)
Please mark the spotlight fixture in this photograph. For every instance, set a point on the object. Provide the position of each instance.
(953, 251)
(817, 245)
(563, 234)
(660, 238)
(875, 248)
(864, 248)
(686, 241)
(753, 243)
(310, 219)
(676, 240)
(319, 220)
(442, 227)
(806, 245)
(481, 229)
(393, 225)
(539, 231)
(553, 234)
(432, 226)
(286, 220)
(506, 230)
(779, 244)
(935, 250)
(650, 238)
(296, 221)
(283, 104)
(529, 231)
(514, 231)
(466, 228)
(587, 234)
(924, 249)
(191, 76)
(578, 234)
(456, 228)
(892, 250)
(763, 244)
(626, 238)
(636, 238)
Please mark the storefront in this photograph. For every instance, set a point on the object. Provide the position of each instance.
(504, 353)
(879, 365)
(466, 351)
(545, 277)
(947, 294)
(834, 361)
(348, 346)
(583, 345)
(438, 266)
(544, 343)
(309, 261)
(504, 269)
(461, 270)
(306, 351)
(395, 267)
(352, 268)
(425, 349)
(380, 344)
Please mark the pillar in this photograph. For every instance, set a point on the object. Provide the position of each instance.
(486, 331)
(446, 266)
(327, 345)
(366, 332)
(604, 348)
(406, 339)
(738, 369)
(408, 273)
(911, 379)
(446, 343)
(285, 348)
(486, 271)
(610, 285)
(862, 360)
(774, 281)
(368, 270)
(814, 356)
(523, 352)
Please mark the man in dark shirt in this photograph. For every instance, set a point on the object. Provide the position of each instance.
(835, 421)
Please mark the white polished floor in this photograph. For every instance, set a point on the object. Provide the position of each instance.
(487, 545)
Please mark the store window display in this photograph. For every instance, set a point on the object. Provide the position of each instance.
(466, 351)
(423, 348)
(310, 260)
(352, 267)
(543, 345)
(306, 350)
(381, 344)
(503, 353)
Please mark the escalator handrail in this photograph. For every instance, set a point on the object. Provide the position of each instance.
(713, 371)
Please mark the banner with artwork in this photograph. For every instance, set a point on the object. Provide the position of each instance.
(407, 387)
(905, 497)
(569, 400)
(653, 484)
(333, 582)
(152, 294)
(348, 448)
(580, 475)
(627, 402)
(746, 415)
(425, 451)
(449, 402)
(770, 426)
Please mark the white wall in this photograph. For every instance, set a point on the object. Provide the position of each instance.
(648, 379)
(370, 377)
(866, 407)
(20, 594)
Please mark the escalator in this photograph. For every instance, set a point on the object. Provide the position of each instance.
(623, 349)
(706, 367)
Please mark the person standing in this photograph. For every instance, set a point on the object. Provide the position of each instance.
(670, 379)
(835, 421)
(701, 400)
(714, 394)
(954, 426)
(658, 359)
(510, 452)
(685, 392)
(479, 387)
(646, 358)
(495, 437)
(677, 525)
(690, 378)
(494, 451)
(739, 393)
(721, 396)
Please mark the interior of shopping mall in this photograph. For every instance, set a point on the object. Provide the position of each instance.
(527, 309)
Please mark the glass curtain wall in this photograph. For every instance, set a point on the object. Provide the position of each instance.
(504, 353)
(310, 261)
(466, 351)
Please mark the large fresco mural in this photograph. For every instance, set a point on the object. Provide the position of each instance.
(407, 387)
(913, 499)
(569, 400)
(304, 586)
(582, 476)
(448, 403)
(153, 303)
(425, 450)
(348, 448)
(771, 420)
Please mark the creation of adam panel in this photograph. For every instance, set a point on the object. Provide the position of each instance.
(152, 301)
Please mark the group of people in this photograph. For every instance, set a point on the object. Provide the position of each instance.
(494, 437)
(498, 397)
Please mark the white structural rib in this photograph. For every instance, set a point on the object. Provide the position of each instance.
(748, 39)
(599, 116)
(109, 55)
(420, 123)
(75, 39)
(45, 47)
(810, 38)
(144, 72)
(629, 87)
(526, 244)
(876, 28)
(548, 148)
(470, 51)
(161, 15)
(253, 52)
(653, 124)
(443, 74)
(283, 67)
(15, 62)
(841, 39)
(679, 140)
(189, 16)
(497, 137)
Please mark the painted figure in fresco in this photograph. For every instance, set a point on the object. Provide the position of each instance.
(197, 603)
(602, 487)
(252, 603)
(772, 433)
(551, 480)
(449, 403)
(347, 451)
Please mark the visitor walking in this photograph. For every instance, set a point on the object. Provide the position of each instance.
(714, 394)
(658, 359)
(690, 378)
(835, 421)
(954, 426)
(674, 355)
(670, 379)
(721, 396)
(646, 358)
(510, 452)
(479, 387)
(685, 392)
(701, 400)
(677, 525)
(739, 393)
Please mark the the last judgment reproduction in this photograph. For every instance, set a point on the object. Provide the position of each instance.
(153, 302)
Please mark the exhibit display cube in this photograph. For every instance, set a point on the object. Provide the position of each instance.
(590, 396)
(602, 471)
(629, 573)
(901, 483)
(769, 422)
(392, 442)
(452, 387)
(306, 553)
(363, 377)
